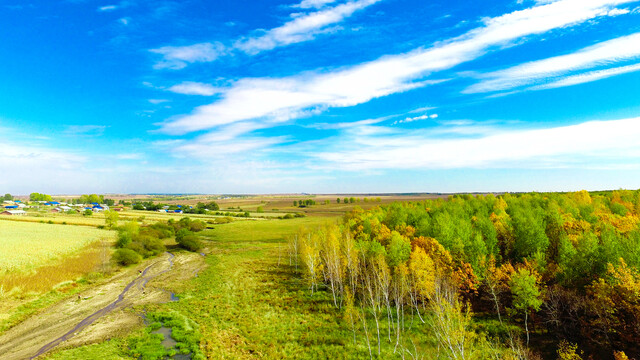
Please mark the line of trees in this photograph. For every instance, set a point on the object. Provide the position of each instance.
(563, 263)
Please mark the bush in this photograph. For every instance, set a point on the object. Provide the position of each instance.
(153, 246)
(181, 234)
(124, 239)
(197, 225)
(87, 212)
(126, 257)
(224, 220)
(137, 247)
(190, 242)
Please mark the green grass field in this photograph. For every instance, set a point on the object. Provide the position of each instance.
(26, 245)
(249, 303)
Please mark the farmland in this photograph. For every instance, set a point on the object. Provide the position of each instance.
(25, 245)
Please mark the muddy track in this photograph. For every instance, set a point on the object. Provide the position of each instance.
(70, 317)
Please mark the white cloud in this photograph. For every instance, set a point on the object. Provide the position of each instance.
(346, 125)
(588, 77)
(124, 21)
(177, 57)
(158, 101)
(388, 75)
(301, 28)
(616, 12)
(422, 109)
(307, 4)
(602, 54)
(415, 118)
(107, 8)
(575, 145)
(194, 88)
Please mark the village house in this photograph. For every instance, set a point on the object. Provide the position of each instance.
(14, 212)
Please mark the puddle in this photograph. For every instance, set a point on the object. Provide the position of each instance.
(168, 341)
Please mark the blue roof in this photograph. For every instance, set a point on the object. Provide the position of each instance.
(55, 203)
(97, 207)
(95, 204)
(11, 207)
(17, 201)
(48, 203)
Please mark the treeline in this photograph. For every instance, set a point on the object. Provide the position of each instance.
(137, 242)
(565, 265)
(200, 208)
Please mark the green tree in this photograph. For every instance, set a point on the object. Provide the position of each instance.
(8, 197)
(398, 250)
(338, 200)
(111, 218)
(526, 294)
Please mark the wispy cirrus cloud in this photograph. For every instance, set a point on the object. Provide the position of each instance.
(550, 72)
(178, 57)
(107, 8)
(415, 118)
(194, 88)
(302, 27)
(85, 130)
(563, 146)
(282, 98)
(588, 77)
(308, 4)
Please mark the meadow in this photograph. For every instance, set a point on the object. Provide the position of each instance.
(251, 302)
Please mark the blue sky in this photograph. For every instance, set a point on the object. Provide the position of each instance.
(319, 96)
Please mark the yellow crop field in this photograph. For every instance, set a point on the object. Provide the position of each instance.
(27, 245)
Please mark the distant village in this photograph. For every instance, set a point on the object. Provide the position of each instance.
(18, 208)
(89, 204)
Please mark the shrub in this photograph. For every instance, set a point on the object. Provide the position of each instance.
(190, 242)
(126, 257)
(87, 212)
(137, 247)
(197, 225)
(153, 246)
(124, 239)
(181, 234)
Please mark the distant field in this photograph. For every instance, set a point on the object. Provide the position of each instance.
(26, 245)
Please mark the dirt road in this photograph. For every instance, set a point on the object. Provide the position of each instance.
(97, 313)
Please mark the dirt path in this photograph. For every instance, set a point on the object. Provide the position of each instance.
(98, 308)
